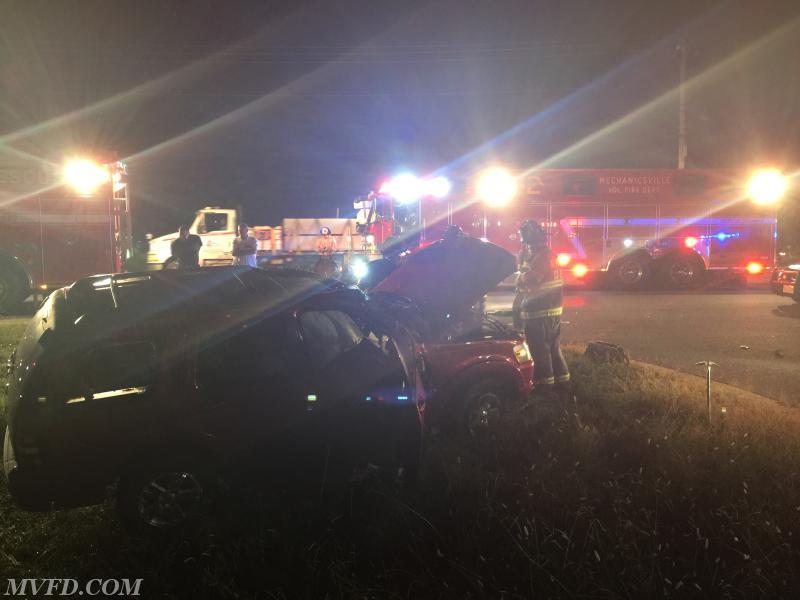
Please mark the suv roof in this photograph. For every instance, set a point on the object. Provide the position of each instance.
(161, 289)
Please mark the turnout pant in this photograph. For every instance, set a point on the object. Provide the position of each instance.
(544, 340)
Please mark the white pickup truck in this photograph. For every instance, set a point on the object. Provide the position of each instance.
(294, 241)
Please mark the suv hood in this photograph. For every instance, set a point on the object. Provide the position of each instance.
(449, 276)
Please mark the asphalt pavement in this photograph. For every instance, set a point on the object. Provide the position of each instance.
(753, 335)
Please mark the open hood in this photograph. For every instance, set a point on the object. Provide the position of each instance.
(449, 276)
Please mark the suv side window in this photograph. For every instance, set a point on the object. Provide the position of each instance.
(329, 333)
(254, 353)
(115, 368)
(213, 222)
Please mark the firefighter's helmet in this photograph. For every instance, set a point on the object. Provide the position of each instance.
(532, 233)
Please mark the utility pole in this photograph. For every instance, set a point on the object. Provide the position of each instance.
(682, 149)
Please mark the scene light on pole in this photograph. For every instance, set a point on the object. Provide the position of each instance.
(767, 186)
(84, 175)
(496, 187)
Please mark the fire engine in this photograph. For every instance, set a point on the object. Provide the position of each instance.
(293, 242)
(59, 223)
(627, 227)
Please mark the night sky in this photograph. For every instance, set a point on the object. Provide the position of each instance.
(293, 109)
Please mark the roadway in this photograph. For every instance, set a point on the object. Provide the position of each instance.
(753, 335)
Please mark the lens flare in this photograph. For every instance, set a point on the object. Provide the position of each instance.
(85, 176)
(767, 186)
(496, 187)
(754, 268)
(580, 271)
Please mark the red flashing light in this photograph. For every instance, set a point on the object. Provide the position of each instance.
(580, 271)
(563, 259)
(754, 268)
(690, 242)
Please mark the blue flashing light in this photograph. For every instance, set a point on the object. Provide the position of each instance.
(404, 398)
(722, 235)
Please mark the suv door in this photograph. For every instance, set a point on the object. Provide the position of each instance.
(113, 398)
(365, 389)
(246, 398)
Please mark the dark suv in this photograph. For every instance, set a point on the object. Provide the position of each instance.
(158, 379)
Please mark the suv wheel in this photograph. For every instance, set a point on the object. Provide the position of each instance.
(165, 499)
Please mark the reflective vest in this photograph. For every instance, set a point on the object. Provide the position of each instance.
(540, 284)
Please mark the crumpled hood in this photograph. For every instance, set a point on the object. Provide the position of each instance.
(449, 276)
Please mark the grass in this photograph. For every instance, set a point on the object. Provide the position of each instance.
(623, 492)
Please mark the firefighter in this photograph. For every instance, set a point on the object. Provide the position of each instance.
(326, 246)
(538, 308)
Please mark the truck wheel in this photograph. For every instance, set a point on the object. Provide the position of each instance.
(630, 272)
(683, 271)
(11, 290)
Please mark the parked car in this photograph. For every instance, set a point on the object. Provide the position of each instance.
(160, 381)
(784, 281)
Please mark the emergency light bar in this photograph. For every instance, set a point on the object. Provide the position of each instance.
(407, 187)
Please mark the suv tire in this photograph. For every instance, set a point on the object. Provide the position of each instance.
(164, 499)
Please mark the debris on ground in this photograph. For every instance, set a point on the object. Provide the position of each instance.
(606, 352)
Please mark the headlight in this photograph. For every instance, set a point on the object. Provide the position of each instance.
(522, 353)
(795, 267)
(359, 269)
